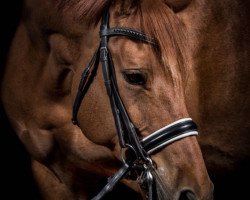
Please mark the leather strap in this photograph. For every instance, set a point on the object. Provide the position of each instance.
(86, 79)
(112, 182)
(125, 128)
(131, 33)
(169, 134)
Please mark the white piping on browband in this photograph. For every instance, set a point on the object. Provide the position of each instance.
(173, 140)
(165, 127)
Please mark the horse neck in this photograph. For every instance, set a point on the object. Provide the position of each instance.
(43, 67)
(219, 36)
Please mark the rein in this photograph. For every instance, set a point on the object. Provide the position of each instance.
(138, 152)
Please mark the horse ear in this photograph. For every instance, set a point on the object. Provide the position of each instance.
(178, 5)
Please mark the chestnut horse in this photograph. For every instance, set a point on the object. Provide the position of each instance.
(46, 59)
(184, 76)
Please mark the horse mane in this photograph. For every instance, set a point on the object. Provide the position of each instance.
(156, 19)
(159, 21)
(85, 10)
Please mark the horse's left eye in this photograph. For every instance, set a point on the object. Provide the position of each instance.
(134, 78)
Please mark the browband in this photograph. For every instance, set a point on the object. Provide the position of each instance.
(131, 33)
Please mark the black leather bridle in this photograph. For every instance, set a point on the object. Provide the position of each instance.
(137, 152)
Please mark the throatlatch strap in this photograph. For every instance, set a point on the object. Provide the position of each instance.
(86, 79)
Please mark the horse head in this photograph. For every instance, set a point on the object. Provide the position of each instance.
(150, 79)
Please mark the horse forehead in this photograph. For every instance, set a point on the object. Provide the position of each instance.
(131, 50)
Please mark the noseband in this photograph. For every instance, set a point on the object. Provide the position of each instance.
(137, 152)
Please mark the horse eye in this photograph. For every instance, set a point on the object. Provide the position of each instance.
(134, 78)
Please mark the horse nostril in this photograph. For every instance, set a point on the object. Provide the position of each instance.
(187, 195)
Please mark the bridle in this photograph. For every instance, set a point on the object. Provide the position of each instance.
(137, 155)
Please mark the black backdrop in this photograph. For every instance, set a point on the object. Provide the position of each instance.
(16, 178)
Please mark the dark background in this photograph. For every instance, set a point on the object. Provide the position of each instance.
(16, 178)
